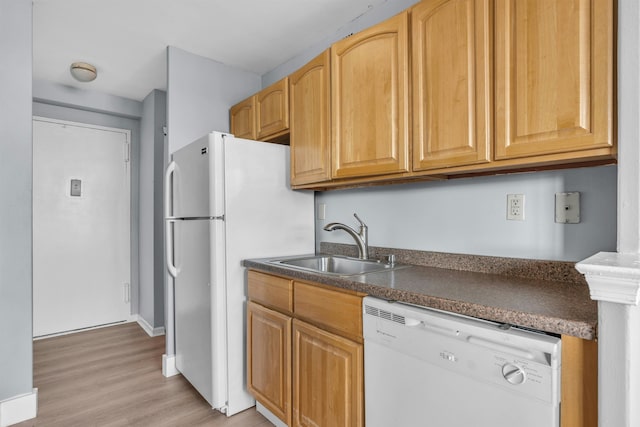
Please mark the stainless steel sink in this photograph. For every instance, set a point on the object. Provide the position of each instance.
(335, 265)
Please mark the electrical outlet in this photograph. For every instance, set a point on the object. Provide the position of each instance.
(515, 207)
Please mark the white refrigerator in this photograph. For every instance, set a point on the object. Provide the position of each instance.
(227, 199)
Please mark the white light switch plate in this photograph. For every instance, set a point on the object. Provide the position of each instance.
(322, 209)
(568, 208)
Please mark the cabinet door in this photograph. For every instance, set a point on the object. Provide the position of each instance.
(272, 110)
(554, 76)
(242, 118)
(327, 378)
(369, 98)
(310, 129)
(269, 359)
(451, 65)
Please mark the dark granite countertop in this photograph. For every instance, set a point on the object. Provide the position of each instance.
(523, 297)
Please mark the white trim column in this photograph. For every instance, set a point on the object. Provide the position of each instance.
(614, 278)
(614, 281)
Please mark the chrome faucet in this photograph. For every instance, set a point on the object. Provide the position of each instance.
(361, 237)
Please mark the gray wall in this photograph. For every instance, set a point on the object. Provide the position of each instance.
(199, 94)
(152, 155)
(469, 215)
(16, 370)
(62, 103)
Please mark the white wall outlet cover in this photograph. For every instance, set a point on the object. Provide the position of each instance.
(568, 208)
(515, 207)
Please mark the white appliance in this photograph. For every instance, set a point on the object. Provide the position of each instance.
(426, 367)
(227, 199)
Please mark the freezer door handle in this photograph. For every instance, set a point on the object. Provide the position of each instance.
(168, 193)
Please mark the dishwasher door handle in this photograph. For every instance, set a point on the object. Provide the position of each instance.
(515, 351)
(442, 330)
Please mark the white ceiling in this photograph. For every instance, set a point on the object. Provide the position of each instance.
(126, 40)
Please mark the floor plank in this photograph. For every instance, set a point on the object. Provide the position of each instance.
(112, 377)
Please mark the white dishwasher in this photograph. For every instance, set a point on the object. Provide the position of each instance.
(425, 367)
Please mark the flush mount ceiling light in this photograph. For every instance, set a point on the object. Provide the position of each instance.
(83, 72)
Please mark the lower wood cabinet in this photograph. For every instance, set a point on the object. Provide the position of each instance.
(305, 357)
(306, 372)
(269, 359)
(327, 378)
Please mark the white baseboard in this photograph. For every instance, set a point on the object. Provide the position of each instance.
(269, 415)
(150, 330)
(133, 318)
(169, 365)
(19, 408)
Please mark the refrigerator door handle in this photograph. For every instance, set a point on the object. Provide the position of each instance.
(167, 214)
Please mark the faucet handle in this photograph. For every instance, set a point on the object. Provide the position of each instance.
(388, 259)
(362, 224)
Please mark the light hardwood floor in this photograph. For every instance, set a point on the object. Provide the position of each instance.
(113, 377)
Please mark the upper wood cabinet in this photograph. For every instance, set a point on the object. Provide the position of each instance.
(243, 119)
(369, 99)
(554, 77)
(488, 86)
(263, 116)
(310, 126)
(451, 71)
(272, 110)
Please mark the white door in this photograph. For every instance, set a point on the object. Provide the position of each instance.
(81, 220)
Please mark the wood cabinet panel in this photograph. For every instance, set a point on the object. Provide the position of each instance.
(451, 66)
(242, 119)
(336, 311)
(310, 127)
(579, 382)
(554, 76)
(272, 291)
(327, 378)
(269, 359)
(369, 97)
(272, 110)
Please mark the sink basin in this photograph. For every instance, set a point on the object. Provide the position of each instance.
(335, 265)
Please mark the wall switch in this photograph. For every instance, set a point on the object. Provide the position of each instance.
(322, 208)
(515, 207)
(568, 208)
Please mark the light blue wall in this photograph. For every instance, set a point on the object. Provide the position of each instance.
(200, 92)
(16, 353)
(469, 215)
